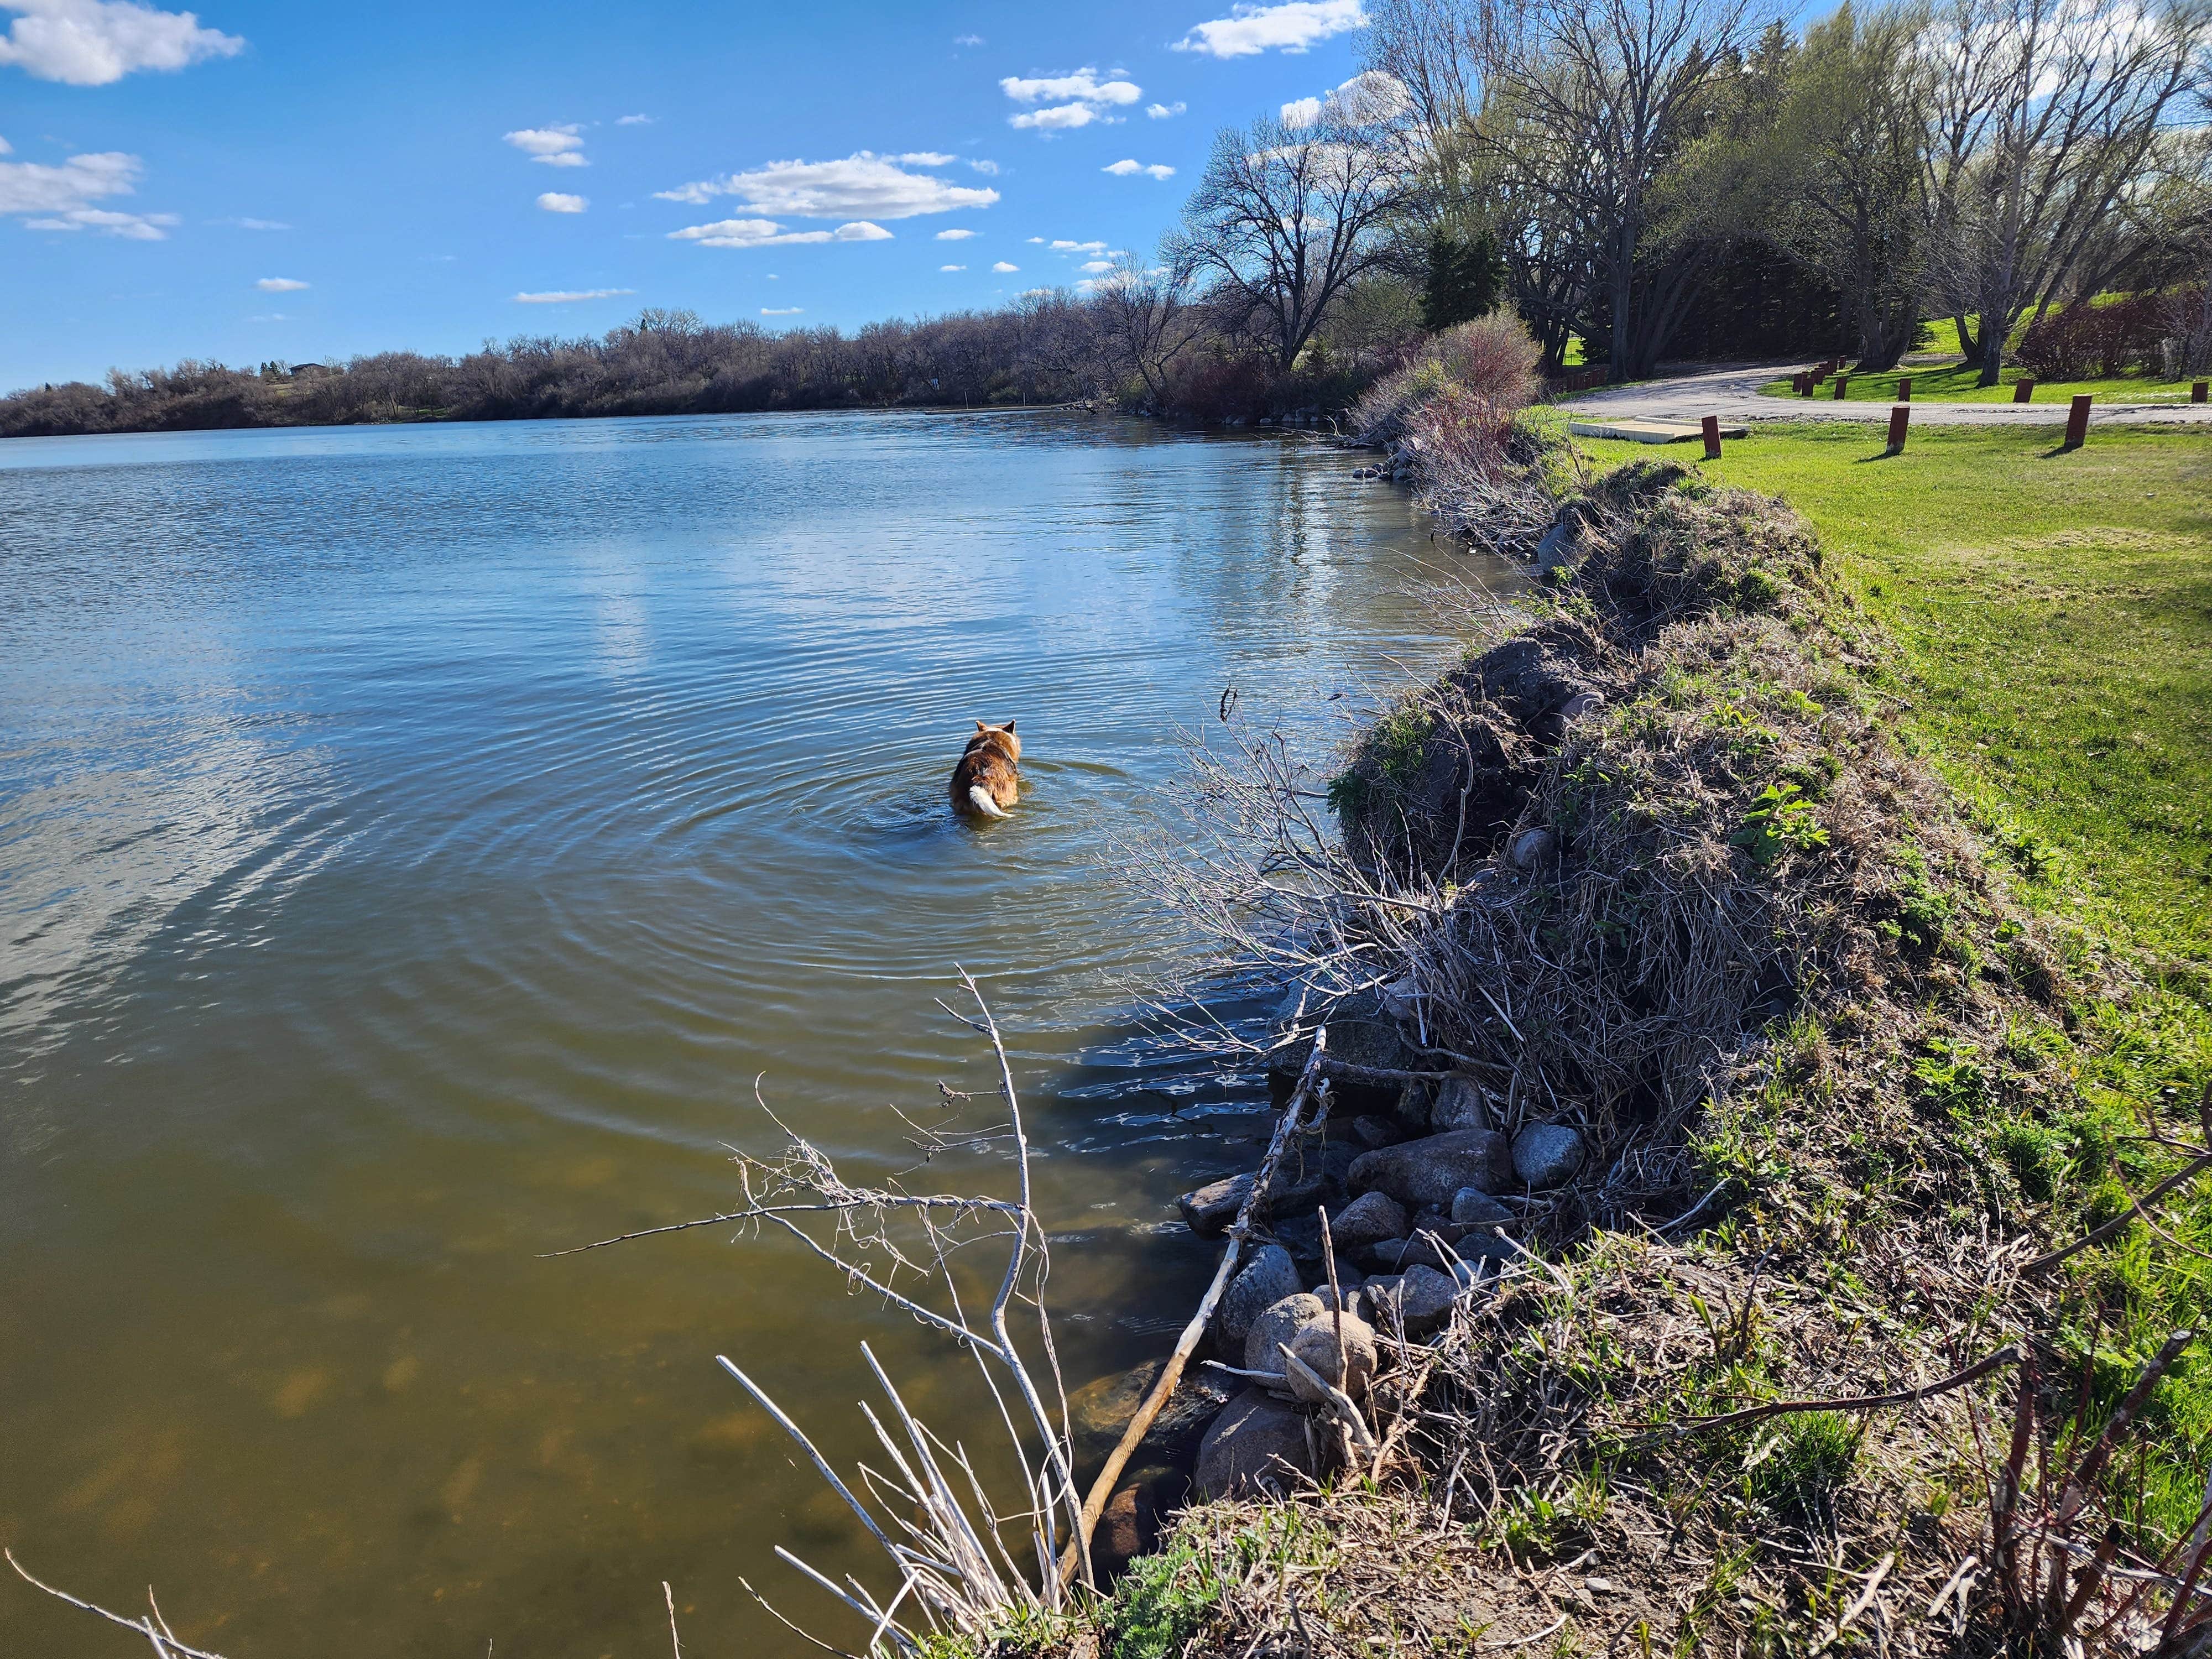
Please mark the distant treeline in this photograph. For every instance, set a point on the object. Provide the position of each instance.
(1637, 180)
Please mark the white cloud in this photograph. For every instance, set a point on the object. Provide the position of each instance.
(91, 43)
(132, 227)
(781, 311)
(862, 185)
(252, 224)
(1077, 99)
(1166, 112)
(557, 146)
(633, 120)
(1062, 247)
(33, 187)
(967, 39)
(1373, 96)
(1058, 117)
(925, 158)
(989, 169)
(554, 201)
(6, 148)
(953, 267)
(565, 296)
(956, 235)
(1129, 167)
(1292, 25)
(1083, 83)
(1002, 267)
(280, 285)
(1094, 266)
(767, 233)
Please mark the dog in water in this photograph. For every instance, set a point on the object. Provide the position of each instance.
(985, 782)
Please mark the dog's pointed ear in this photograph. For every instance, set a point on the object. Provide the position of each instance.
(979, 726)
(1010, 725)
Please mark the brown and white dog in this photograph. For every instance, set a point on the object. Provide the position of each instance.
(985, 780)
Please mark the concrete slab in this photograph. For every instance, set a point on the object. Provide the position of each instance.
(1647, 432)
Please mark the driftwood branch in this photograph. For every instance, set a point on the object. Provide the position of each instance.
(2007, 1355)
(1077, 1555)
(164, 1644)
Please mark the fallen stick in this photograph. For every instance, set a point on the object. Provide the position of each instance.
(1102, 1489)
(1339, 1401)
(1866, 1402)
(1864, 1600)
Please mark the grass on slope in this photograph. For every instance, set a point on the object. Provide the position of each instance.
(1956, 383)
(2056, 609)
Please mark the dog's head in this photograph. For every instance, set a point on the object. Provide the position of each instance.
(1000, 738)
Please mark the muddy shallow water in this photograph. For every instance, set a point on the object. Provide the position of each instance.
(414, 843)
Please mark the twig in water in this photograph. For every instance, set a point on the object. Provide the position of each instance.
(1077, 1554)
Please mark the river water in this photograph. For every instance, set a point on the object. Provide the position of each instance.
(414, 841)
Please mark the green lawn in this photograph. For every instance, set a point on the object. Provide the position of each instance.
(1955, 383)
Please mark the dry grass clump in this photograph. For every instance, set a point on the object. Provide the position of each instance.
(1660, 818)
(1482, 371)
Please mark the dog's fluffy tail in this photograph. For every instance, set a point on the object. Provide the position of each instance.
(980, 799)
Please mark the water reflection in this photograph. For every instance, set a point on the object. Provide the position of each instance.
(414, 843)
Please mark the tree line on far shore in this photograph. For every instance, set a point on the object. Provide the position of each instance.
(1639, 180)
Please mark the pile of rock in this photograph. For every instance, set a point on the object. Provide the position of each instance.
(1421, 1193)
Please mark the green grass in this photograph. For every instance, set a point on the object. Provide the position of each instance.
(1956, 383)
(2055, 615)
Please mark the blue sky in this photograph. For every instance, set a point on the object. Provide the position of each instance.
(168, 176)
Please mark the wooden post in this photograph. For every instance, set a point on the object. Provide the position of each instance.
(1901, 416)
(1712, 429)
(2197, 392)
(1842, 382)
(2077, 423)
(1905, 388)
(2022, 391)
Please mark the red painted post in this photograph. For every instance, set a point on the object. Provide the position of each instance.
(1842, 380)
(2022, 391)
(2077, 423)
(1713, 431)
(1901, 416)
(1905, 388)
(2197, 392)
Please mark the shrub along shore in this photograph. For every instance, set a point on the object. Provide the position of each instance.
(1739, 1006)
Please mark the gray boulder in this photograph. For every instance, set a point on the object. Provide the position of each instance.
(1266, 1280)
(1412, 1107)
(1316, 1344)
(1471, 1207)
(1258, 1444)
(1367, 1219)
(1458, 1105)
(1100, 1411)
(1546, 1154)
(1279, 1323)
(1430, 1171)
(1425, 1296)
(1371, 1043)
(1372, 1131)
(1531, 847)
(1208, 1210)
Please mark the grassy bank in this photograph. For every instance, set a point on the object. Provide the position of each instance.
(2034, 626)
(1959, 383)
(2056, 614)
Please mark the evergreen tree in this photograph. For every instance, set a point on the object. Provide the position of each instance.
(1465, 278)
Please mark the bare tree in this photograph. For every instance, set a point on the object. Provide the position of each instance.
(1288, 216)
(1600, 102)
(1847, 148)
(1146, 318)
(2042, 115)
